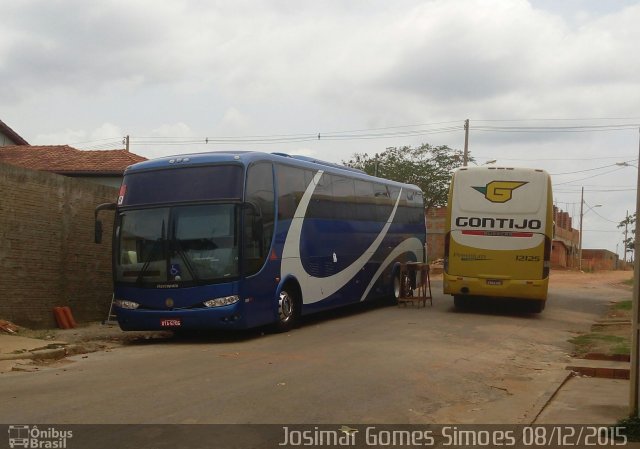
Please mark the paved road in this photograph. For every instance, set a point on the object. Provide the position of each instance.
(367, 364)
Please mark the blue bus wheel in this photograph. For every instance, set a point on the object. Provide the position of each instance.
(396, 286)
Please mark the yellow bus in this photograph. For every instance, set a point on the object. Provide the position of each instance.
(499, 233)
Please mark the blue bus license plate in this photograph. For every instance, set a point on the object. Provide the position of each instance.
(174, 322)
(494, 282)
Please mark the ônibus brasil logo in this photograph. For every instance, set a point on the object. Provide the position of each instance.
(499, 191)
(33, 437)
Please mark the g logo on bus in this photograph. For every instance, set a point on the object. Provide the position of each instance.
(499, 191)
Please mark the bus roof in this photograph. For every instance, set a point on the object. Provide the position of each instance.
(248, 157)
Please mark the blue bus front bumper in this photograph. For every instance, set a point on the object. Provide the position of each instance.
(225, 317)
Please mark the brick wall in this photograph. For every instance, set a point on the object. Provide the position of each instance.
(599, 259)
(47, 254)
(436, 220)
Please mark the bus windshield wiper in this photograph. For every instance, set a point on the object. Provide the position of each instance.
(178, 249)
(147, 260)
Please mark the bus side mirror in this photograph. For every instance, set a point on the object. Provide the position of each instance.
(98, 231)
(98, 223)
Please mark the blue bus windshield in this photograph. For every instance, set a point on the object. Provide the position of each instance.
(178, 244)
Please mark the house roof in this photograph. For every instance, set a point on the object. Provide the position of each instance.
(11, 134)
(66, 160)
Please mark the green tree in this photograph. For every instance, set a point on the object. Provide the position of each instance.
(427, 166)
(630, 243)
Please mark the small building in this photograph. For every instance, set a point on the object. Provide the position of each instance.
(104, 167)
(9, 137)
(599, 259)
(566, 241)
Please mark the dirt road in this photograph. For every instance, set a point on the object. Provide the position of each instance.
(366, 364)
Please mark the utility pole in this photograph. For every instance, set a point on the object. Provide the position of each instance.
(635, 309)
(466, 143)
(580, 236)
(126, 143)
(626, 225)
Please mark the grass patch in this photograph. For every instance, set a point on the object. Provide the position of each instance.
(591, 338)
(629, 282)
(594, 342)
(601, 343)
(623, 305)
(631, 427)
(610, 336)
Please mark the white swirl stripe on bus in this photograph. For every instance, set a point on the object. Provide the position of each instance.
(316, 289)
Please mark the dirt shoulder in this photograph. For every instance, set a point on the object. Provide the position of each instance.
(610, 335)
(91, 337)
(581, 278)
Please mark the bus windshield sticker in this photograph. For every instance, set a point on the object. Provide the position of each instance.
(175, 270)
(123, 190)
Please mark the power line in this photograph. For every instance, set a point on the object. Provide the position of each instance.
(593, 176)
(552, 129)
(555, 159)
(118, 138)
(592, 209)
(601, 230)
(390, 132)
(278, 139)
(583, 171)
(556, 119)
(594, 190)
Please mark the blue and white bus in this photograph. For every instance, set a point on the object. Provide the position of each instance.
(246, 239)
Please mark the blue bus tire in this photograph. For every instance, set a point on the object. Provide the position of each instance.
(288, 309)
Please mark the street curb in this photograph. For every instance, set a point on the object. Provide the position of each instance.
(549, 396)
(606, 357)
(603, 373)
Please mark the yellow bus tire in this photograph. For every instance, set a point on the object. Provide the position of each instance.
(460, 301)
(535, 306)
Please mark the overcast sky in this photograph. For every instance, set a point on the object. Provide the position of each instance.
(365, 75)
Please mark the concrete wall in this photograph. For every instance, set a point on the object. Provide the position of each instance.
(110, 181)
(47, 254)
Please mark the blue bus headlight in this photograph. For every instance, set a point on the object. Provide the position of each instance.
(224, 301)
(124, 304)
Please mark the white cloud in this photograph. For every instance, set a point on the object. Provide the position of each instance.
(234, 122)
(62, 137)
(106, 131)
(172, 130)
